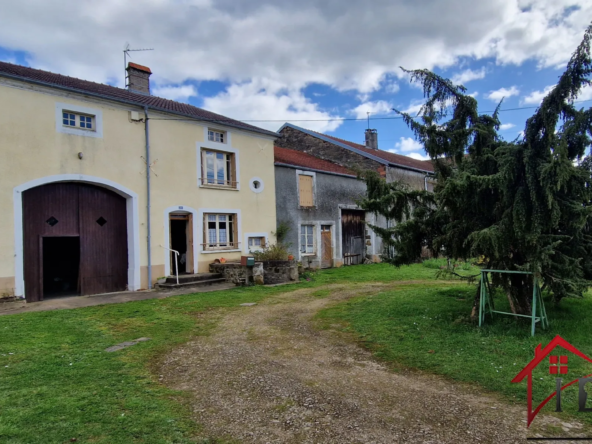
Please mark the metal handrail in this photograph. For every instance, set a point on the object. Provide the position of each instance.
(176, 261)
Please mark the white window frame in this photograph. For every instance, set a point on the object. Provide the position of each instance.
(314, 239)
(314, 187)
(250, 235)
(201, 215)
(221, 147)
(96, 114)
(215, 132)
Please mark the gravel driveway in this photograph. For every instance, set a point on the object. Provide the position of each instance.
(267, 375)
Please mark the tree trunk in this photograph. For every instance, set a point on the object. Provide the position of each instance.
(519, 291)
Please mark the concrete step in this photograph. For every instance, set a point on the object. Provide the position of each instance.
(195, 283)
(183, 278)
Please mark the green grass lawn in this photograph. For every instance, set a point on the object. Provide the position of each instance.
(428, 328)
(58, 383)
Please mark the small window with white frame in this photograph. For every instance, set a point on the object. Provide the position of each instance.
(218, 168)
(256, 243)
(220, 232)
(307, 239)
(79, 121)
(216, 136)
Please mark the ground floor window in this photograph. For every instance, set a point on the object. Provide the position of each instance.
(256, 242)
(220, 231)
(307, 239)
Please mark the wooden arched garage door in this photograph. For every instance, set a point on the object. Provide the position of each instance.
(75, 240)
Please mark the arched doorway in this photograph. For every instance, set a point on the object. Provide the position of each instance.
(74, 240)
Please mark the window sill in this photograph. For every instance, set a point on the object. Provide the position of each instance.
(219, 187)
(220, 251)
(307, 254)
(314, 207)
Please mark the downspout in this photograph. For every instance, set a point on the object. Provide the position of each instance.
(149, 239)
(425, 182)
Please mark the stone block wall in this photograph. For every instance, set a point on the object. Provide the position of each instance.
(270, 272)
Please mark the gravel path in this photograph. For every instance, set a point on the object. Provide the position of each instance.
(266, 375)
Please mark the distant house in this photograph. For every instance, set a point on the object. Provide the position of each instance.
(317, 199)
(416, 173)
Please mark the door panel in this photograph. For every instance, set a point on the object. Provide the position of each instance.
(103, 240)
(189, 253)
(326, 247)
(353, 242)
(48, 210)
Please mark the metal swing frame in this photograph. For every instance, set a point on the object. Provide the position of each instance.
(486, 305)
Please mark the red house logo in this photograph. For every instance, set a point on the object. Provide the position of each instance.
(558, 365)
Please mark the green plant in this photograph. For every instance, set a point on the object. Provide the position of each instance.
(282, 230)
(273, 252)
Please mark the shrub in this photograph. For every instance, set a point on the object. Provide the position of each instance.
(273, 252)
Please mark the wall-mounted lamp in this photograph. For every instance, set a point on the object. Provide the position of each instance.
(80, 155)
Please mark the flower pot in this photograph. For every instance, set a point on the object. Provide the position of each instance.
(222, 260)
(290, 257)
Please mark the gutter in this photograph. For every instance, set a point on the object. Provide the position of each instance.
(148, 205)
(133, 103)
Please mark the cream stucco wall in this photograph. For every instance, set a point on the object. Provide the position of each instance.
(32, 149)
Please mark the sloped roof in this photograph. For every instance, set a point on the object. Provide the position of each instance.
(73, 84)
(298, 158)
(385, 156)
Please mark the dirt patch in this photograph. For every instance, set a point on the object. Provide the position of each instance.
(266, 375)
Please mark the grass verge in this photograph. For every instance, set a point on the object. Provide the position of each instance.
(427, 328)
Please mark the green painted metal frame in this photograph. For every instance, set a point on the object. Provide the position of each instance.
(486, 305)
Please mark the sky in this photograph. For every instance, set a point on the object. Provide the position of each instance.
(313, 61)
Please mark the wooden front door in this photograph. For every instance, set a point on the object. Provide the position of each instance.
(326, 247)
(94, 215)
(352, 230)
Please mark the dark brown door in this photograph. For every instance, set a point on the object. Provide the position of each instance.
(96, 215)
(326, 247)
(103, 240)
(352, 232)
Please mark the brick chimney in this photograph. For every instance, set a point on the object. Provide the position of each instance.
(138, 78)
(371, 139)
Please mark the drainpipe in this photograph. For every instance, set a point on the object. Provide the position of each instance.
(149, 240)
(425, 182)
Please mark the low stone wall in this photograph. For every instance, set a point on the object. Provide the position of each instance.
(279, 272)
(268, 272)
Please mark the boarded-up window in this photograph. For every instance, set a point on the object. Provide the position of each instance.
(305, 190)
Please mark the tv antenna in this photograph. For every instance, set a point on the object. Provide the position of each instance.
(126, 54)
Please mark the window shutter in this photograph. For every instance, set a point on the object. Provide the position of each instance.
(305, 188)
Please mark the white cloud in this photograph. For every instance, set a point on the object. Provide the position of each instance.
(178, 93)
(392, 88)
(414, 107)
(585, 93)
(407, 144)
(262, 99)
(378, 107)
(418, 156)
(501, 93)
(467, 75)
(506, 126)
(294, 43)
(536, 97)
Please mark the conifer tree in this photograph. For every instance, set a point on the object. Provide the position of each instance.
(522, 204)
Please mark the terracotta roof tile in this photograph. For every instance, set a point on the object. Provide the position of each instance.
(84, 86)
(298, 158)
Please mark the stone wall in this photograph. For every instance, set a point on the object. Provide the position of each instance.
(279, 272)
(271, 272)
(297, 140)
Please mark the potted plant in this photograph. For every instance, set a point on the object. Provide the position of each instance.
(222, 260)
(161, 280)
(290, 257)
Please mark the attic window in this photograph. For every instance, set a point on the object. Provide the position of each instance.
(216, 136)
(79, 121)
